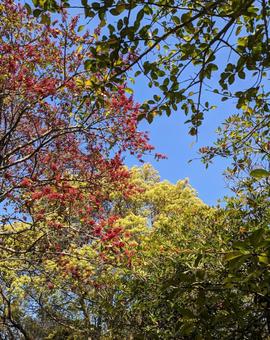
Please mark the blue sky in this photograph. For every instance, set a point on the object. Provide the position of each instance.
(170, 136)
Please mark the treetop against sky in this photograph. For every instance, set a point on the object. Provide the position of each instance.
(206, 61)
(93, 249)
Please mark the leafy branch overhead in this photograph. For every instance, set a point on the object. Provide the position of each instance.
(183, 49)
(90, 249)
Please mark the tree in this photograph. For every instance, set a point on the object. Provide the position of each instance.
(180, 269)
(53, 132)
(187, 49)
(200, 270)
(60, 147)
(80, 238)
(85, 288)
(180, 47)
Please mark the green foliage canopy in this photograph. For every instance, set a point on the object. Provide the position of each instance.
(184, 48)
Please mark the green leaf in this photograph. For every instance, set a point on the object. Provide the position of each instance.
(128, 90)
(87, 64)
(233, 255)
(140, 117)
(140, 15)
(28, 8)
(88, 12)
(80, 28)
(198, 259)
(242, 41)
(256, 237)
(231, 79)
(176, 20)
(45, 19)
(186, 17)
(117, 10)
(150, 118)
(241, 75)
(236, 260)
(95, 6)
(120, 8)
(193, 131)
(263, 259)
(259, 173)
(37, 12)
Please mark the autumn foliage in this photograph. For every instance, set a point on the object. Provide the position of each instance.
(59, 147)
(91, 249)
(62, 153)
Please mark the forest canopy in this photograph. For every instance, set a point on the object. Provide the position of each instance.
(92, 249)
